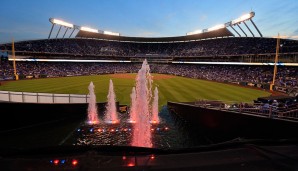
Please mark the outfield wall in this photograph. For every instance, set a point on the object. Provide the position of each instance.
(15, 115)
(26, 109)
(225, 125)
(28, 97)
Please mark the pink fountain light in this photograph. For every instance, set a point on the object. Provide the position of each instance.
(155, 117)
(133, 105)
(111, 116)
(92, 107)
(141, 131)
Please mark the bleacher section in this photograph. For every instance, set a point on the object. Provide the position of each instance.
(221, 49)
(256, 76)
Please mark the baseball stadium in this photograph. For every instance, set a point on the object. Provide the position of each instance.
(88, 99)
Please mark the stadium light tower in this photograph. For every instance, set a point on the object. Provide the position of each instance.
(256, 27)
(70, 26)
(219, 26)
(241, 30)
(194, 32)
(233, 23)
(89, 29)
(229, 24)
(243, 19)
(75, 28)
(61, 23)
(248, 29)
(111, 33)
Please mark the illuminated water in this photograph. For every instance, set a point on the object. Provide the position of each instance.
(168, 134)
(92, 107)
(146, 127)
(155, 117)
(111, 111)
(133, 105)
(141, 128)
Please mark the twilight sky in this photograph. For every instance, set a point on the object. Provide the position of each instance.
(29, 19)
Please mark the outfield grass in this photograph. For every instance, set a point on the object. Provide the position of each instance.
(177, 89)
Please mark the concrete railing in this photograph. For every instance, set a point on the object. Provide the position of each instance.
(28, 97)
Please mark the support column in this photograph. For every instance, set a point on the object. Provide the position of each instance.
(58, 32)
(242, 30)
(51, 31)
(235, 31)
(72, 32)
(65, 32)
(248, 29)
(256, 28)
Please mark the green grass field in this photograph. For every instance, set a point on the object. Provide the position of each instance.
(177, 89)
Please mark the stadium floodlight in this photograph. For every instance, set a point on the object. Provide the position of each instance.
(89, 29)
(243, 18)
(111, 33)
(60, 22)
(194, 32)
(216, 27)
(228, 24)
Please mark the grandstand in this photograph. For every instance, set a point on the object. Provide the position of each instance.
(234, 49)
(220, 44)
(93, 51)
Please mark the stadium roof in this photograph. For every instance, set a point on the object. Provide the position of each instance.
(220, 30)
(223, 32)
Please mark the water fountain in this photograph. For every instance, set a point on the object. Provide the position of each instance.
(155, 117)
(92, 107)
(141, 132)
(133, 106)
(111, 111)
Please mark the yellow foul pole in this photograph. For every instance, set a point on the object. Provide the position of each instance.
(14, 61)
(275, 62)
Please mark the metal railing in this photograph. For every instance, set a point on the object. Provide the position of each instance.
(289, 112)
(29, 97)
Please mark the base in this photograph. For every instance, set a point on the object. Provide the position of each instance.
(154, 122)
(92, 122)
(112, 122)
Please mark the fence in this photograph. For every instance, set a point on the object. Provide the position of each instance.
(27, 97)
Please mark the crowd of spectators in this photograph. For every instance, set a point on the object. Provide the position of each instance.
(61, 69)
(211, 47)
(286, 76)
